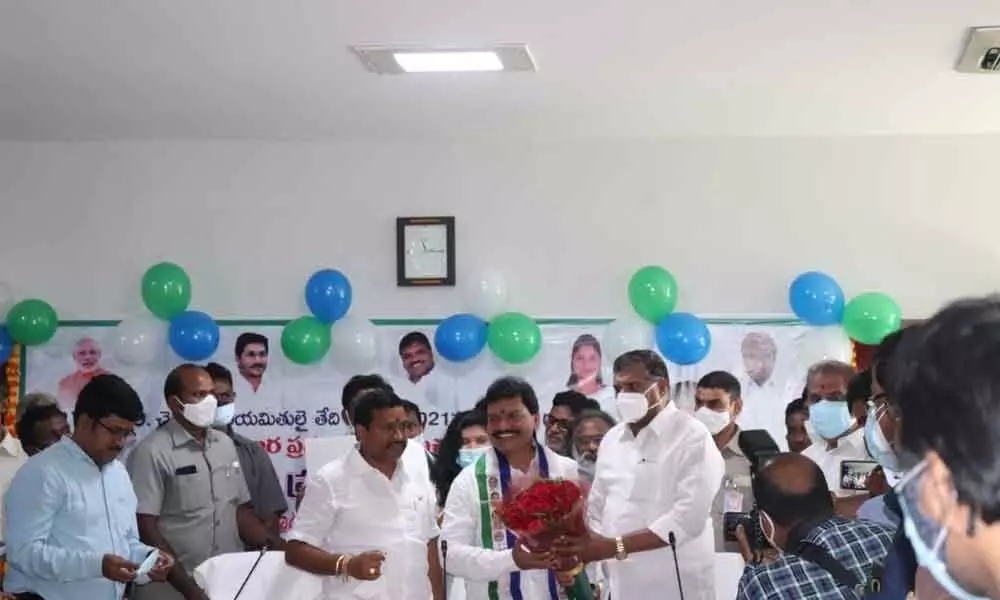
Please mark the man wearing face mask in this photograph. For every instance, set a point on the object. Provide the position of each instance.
(820, 556)
(945, 382)
(657, 473)
(836, 432)
(719, 404)
(266, 495)
(192, 497)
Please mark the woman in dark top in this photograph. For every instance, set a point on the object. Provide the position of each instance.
(464, 441)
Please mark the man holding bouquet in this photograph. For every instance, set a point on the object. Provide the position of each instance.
(495, 564)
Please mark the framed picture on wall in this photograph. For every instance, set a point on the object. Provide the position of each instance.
(425, 251)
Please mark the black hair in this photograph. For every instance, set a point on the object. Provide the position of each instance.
(250, 337)
(882, 371)
(411, 407)
(359, 383)
(446, 467)
(584, 341)
(575, 402)
(946, 382)
(786, 507)
(651, 360)
(590, 415)
(721, 380)
(173, 385)
(107, 395)
(27, 425)
(859, 388)
(414, 337)
(219, 373)
(796, 406)
(511, 387)
(380, 399)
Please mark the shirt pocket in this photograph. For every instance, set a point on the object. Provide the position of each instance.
(192, 492)
(646, 482)
(226, 479)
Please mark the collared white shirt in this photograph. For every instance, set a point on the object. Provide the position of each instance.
(266, 398)
(12, 456)
(434, 391)
(764, 405)
(350, 507)
(462, 529)
(415, 460)
(664, 479)
(850, 447)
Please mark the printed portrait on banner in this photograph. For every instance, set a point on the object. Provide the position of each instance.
(87, 355)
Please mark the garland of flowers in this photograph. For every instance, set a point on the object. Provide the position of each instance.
(10, 387)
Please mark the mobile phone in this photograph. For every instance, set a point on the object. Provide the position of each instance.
(854, 474)
(730, 521)
(148, 564)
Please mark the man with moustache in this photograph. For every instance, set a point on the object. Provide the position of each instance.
(424, 385)
(256, 392)
(480, 550)
(193, 500)
(588, 433)
(70, 512)
(368, 522)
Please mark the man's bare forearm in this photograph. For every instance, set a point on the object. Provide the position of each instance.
(181, 580)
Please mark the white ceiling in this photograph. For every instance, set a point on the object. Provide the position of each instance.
(280, 69)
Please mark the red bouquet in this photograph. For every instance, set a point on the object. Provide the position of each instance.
(543, 511)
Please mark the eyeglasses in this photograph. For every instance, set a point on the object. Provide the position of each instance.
(225, 398)
(121, 434)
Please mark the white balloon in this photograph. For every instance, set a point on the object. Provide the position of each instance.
(487, 294)
(823, 343)
(625, 334)
(7, 299)
(355, 347)
(139, 341)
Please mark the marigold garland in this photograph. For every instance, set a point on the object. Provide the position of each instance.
(11, 388)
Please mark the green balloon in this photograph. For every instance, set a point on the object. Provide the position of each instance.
(870, 317)
(305, 340)
(514, 337)
(166, 290)
(32, 322)
(653, 293)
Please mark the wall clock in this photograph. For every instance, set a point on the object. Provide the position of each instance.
(425, 251)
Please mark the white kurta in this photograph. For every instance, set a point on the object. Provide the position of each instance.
(351, 508)
(663, 480)
(850, 447)
(462, 529)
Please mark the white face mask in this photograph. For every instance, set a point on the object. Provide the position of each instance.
(201, 414)
(714, 421)
(633, 406)
(224, 415)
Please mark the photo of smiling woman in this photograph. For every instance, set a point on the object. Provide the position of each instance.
(585, 363)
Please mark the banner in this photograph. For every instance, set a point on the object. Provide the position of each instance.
(281, 404)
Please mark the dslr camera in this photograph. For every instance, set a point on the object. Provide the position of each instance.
(759, 448)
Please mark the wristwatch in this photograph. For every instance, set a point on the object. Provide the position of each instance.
(620, 552)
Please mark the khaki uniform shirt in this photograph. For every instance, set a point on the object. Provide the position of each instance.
(735, 495)
(195, 491)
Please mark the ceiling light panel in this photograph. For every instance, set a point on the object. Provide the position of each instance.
(396, 60)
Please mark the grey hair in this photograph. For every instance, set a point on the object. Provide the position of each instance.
(34, 399)
(831, 367)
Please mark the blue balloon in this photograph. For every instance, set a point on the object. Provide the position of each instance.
(6, 344)
(460, 337)
(194, 335)
(683, 338)
(816, 298)
(328, 295)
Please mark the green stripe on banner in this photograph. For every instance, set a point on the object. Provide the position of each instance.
(431, 322)
(485, 517)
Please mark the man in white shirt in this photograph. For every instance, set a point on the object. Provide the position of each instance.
(367, 523)
(255, 392)
(12, 456)
(657, 474)
(837, 434)
(434, 392)
(480, 549)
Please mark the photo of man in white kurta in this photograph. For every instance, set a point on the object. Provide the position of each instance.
(657, 474)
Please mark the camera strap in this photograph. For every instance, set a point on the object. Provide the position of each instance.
(818, 555)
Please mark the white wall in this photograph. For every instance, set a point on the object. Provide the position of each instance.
(734, 219)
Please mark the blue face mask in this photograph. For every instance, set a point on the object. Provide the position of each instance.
(467, 456)
(878, 447)
(927, 537)
(830, 418)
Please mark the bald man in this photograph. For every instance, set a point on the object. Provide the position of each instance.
(797, 518)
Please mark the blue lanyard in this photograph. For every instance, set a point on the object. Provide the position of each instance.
(543, 472)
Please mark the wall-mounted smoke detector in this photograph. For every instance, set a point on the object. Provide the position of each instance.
(982, 53)
(396, 60)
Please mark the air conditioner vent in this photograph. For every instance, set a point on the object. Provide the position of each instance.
(982, 52)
